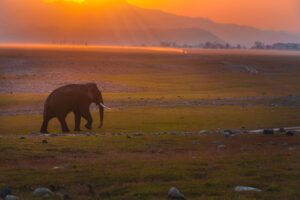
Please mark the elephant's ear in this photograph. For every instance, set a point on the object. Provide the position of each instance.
(90, 93)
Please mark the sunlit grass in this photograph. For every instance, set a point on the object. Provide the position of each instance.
(157, 119)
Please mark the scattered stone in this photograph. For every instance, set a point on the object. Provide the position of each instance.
(174, 133)
(202, 132)
(228, 133)
(45, 141)
(221, 146)
(290, 133)
(11, 197)
(282, 130)
(268, 132)
(42, 192)
(87, 134)
(246, 189)
(4, 192)
(22, 138)
(56, 168)
(175, 194)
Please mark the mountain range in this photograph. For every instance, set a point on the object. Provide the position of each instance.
(120, 23)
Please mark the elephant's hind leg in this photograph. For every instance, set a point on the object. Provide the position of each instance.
(64, 126)
(77, 120)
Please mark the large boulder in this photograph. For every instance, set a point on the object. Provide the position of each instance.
(4, 192)
(246, 189)
(11, 197)
(175, 194)
(290, 133)
(42, 192)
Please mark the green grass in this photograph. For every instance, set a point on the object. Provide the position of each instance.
(157, 119)
(146, 167)
(121, 164)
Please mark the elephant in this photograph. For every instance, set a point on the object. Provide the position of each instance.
(75, 98)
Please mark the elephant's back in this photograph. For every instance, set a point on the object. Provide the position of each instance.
(65, 96)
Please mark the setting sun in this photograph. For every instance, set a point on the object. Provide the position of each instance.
(74, 1)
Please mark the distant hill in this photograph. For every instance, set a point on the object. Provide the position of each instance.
(123, 24)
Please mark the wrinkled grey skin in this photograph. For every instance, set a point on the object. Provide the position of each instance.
(75, 98)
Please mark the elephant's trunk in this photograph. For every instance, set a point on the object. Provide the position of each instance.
(101, 113)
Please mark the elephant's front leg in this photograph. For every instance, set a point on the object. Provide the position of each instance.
(64, 126)
(77, 120)
(85, 113)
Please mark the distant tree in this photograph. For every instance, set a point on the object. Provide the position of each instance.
(258, 45)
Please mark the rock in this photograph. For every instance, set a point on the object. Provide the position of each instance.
(174, 133)
(128, 137)
(11, 197)
(268, 132)
(22, 138)
(175, 194)
(246, 189)
(290, 133)
(202, 132)
(221, 146)
(281, 130)
(4, 192)
(228, 133)
(56, 168)
(42, 192)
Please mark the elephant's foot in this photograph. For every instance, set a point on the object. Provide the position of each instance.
(66, 131)
(77, 129)
(44, 132)
(88, 126)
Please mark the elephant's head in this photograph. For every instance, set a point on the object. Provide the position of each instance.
(96, 97)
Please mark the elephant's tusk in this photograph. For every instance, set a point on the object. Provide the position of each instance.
(104, 106)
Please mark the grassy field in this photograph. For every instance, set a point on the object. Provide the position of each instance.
(151, 140)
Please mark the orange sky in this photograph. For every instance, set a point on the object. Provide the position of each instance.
(265, 14)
